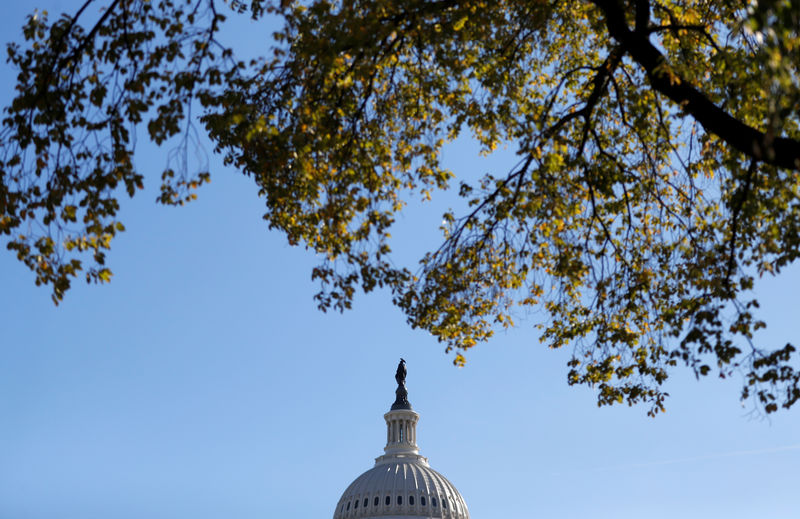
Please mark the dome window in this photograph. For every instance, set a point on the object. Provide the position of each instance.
(433, 501)
(348, 505)
(366, 502)
(377, 500)
(399, 500)
(355, 505)
(388, 500)
(444, 503)
(410, 500)
(422, 500)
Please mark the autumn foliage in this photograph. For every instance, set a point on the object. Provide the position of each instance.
(658, 154)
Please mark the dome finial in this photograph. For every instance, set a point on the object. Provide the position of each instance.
(401, 402)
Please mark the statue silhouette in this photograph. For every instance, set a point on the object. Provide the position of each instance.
(400, 375)
(401, 402)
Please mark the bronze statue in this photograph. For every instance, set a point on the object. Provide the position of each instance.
(401, 402)
(400, 375)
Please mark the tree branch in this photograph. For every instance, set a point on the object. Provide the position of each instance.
(762, 146)
(739, 199)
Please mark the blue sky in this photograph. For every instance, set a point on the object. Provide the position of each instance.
(203, 383)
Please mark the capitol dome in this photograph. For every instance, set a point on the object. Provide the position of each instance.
(401, 484)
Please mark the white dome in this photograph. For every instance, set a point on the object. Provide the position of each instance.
(401, 484)
(411, 489)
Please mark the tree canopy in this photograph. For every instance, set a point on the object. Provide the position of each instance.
(657, 143)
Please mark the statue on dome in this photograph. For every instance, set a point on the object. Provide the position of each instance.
(401, 402)
(400, 375)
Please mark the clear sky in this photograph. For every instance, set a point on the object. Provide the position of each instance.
(203, 383)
